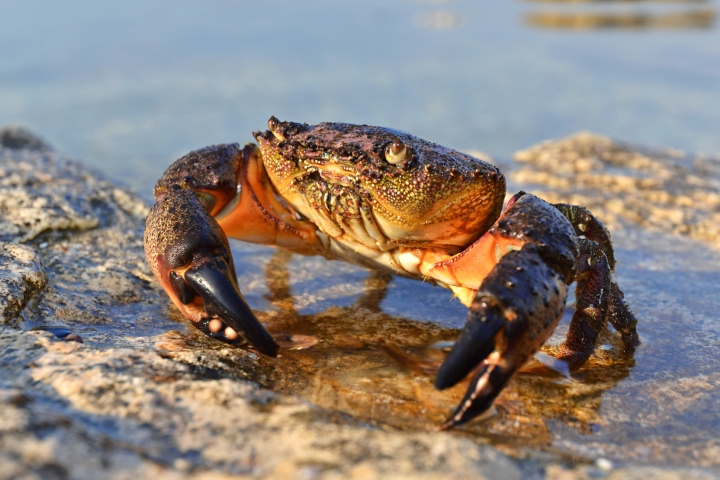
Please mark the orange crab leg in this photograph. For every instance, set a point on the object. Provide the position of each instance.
(257, 215)
(203, 198)
(464, 273)
(188, 250)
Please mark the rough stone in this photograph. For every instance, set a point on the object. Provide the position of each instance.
(79, 200)
(666, 190)
(145, 397)
(94, 413)
(22, 276)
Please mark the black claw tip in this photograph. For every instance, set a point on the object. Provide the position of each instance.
(485, 386)
(184, 293)
(222, 298)
(476, 342)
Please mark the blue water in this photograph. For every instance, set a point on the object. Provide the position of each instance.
(130, 86)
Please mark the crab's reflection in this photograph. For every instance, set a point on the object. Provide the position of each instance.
(380, 368)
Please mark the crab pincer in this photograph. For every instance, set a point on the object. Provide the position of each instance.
(521, 301)
(517, 306)
(189, 252)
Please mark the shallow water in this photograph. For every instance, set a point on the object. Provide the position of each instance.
(131, 86)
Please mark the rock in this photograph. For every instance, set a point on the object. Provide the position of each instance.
(22, 277)
(665, 190)
(40, 192)
(18, 138)
(110, 412)
(144, 396)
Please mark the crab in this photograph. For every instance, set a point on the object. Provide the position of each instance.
(386, 200)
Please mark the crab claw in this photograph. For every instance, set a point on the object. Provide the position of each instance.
(190, 256)
(515, 311)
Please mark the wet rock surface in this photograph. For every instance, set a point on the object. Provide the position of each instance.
(125, 413)
(101, 378)
(665, 190)
(22, 277)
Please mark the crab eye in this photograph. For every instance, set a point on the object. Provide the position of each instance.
(396, 153)
(273, 125)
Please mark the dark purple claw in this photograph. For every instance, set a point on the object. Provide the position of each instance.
(222, 298)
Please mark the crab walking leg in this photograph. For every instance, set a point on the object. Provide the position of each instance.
(190, 256)
(588, 226)
(618, 313)
(622, 318)
(591, 307)
(515, 311)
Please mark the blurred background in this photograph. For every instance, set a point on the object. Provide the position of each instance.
(129, 86)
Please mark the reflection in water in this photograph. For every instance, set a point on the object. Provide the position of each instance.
(618, 1)
(377, 367)
(585, 21)
(438, 20)
(608, 19)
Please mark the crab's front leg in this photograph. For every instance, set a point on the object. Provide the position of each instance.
(189, 255)
(515, 311)
(530, 254)
(538, 253)
(202, 197)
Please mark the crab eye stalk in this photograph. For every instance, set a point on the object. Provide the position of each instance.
(396, 153)
(273, 125)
